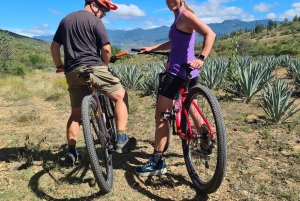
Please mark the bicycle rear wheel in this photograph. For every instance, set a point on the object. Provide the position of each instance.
(96, 143)
(205, 157)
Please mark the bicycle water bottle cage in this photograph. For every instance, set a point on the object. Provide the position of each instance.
(167, 116)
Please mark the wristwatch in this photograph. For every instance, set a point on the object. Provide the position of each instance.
(201, 57)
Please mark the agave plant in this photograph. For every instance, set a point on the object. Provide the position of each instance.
(245, 61)
(293, 69)
(276, 102)
(213, 73)
(131, 76)
(297, 82)
(151, 81)
(284, 60)
(268, 61)
(249, 82)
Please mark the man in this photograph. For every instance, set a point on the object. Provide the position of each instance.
(86, 45)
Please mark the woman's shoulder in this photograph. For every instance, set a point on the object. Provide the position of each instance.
(188, 14)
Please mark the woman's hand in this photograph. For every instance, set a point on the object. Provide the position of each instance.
(146, 49)
(197, 63)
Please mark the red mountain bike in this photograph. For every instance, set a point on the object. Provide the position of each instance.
(197, 119)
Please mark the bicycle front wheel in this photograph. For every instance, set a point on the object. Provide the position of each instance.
(205, 156)
(94, 135)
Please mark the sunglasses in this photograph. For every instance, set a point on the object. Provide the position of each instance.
(103, 10)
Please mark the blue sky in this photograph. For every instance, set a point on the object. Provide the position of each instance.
(41, 17)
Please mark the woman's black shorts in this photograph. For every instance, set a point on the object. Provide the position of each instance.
(171, 84)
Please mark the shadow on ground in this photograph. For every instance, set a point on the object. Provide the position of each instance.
(126, 162)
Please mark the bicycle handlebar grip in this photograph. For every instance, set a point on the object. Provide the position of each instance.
(121, 54)
(185, 66)
(135, 50)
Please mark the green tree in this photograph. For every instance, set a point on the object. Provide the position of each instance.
(6, 50)
(259, 28)
(6, 53)
(270, 25)
(115, 50)
(295, 19)
(285, 21)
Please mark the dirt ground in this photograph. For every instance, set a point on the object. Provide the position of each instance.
(263, 159)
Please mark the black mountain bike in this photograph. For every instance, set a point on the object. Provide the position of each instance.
(100, 132)
(197, 119)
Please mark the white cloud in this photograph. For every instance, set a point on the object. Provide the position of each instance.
(296, 5)
(214, 10)
(271, 16)
(127, 12)
(262, 7)
(291, 13)
(39, 30)
(54, 11)
(288, 14)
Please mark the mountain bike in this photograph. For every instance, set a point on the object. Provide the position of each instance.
(197, 119)
(99, 129)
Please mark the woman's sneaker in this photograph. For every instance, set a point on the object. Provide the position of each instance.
(150, 168)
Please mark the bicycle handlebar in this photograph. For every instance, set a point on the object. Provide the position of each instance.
(184, 66)
(113, 59)
(160, 53)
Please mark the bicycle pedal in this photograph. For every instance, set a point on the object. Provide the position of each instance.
(165, 115)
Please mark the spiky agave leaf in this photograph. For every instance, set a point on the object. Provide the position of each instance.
(276, 102)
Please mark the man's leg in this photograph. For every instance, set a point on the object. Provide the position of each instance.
(120, 98)
(124, 143)
(73, 127)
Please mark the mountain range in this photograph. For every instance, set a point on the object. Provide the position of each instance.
(144, 37)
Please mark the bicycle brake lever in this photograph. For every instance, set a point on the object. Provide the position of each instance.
(113, 59)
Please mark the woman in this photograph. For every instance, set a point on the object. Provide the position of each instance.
(181, 44)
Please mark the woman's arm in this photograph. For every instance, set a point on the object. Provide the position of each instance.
(163, 46)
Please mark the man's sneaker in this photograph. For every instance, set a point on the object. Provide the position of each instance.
(70, 159)
(150, 168)
(125, 145)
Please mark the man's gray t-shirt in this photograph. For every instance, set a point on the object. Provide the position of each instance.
(82, 36)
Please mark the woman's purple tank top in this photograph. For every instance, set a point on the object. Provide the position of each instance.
(182, 50)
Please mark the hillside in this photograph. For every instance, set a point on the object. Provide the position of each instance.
(27, 54)
(141, 37)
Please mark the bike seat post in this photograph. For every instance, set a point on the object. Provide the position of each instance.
(187, 80)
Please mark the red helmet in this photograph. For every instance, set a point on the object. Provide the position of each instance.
(105, 3)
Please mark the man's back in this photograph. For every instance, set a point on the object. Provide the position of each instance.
(82, 36)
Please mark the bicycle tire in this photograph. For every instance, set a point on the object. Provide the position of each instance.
(108, 109)
(94, 135)
(207, 177)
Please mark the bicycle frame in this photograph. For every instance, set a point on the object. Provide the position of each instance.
(178, 115)
(183, 91)
(92, 91)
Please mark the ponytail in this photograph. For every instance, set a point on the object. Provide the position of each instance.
(188, 7)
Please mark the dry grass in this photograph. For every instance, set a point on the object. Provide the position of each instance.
(263, 160)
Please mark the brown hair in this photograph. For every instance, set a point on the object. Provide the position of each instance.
(188, 7)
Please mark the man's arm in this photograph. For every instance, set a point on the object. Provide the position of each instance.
(106, 53)
(55, 51)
